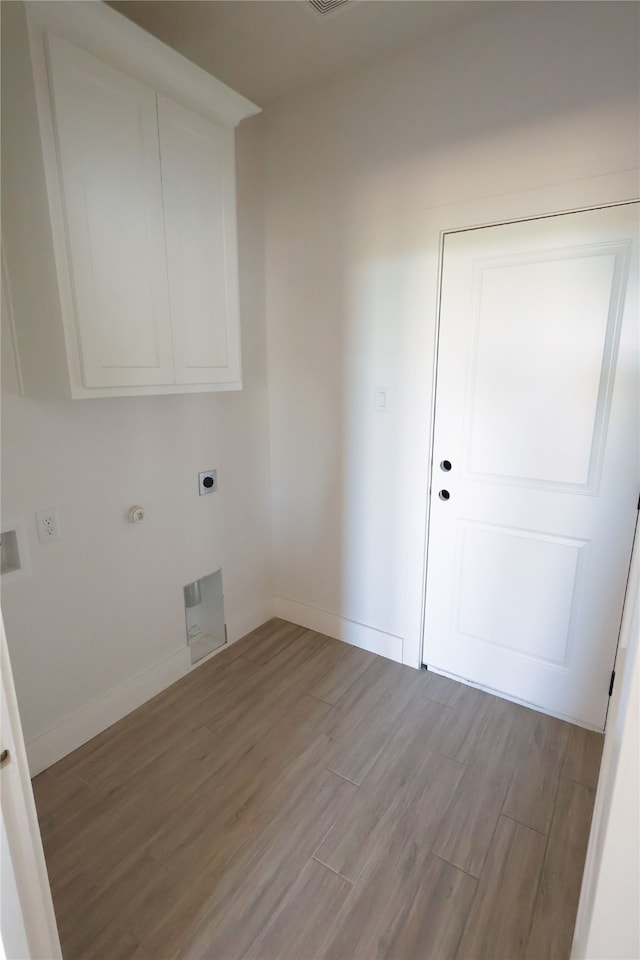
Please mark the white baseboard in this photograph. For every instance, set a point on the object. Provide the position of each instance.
(357, 634)
(248, 619)
(73, 731)
(80, 727)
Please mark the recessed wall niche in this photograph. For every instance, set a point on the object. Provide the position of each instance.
(204, 615)
(14, 552)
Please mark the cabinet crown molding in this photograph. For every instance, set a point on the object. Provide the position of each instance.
(106, 33)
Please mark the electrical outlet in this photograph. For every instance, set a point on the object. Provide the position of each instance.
(207, 482)
(47, 524)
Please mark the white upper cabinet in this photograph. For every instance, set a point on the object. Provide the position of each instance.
(138, 146)
(107, 136)
(198, 187)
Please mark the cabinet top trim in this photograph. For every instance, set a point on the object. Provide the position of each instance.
(109, 35)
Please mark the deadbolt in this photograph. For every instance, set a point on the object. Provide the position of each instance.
(445, 465)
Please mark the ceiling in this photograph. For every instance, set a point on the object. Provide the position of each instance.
(267, 49)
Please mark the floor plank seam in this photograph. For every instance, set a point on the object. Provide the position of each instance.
(462, 763)
(538, 888)
(495, 829)
(87, 783)
(527, 826)
(321, 699)
(454, 865)
(342, 777)
(468, 917)
(581, 783)
(337, 872)
(449, 706)
(557, 786)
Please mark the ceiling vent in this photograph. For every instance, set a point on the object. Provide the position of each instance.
(326, 6)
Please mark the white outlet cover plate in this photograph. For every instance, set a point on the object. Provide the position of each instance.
(48, 526)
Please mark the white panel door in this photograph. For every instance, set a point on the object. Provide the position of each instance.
(107, 138)
(198, 183)
(535, 475)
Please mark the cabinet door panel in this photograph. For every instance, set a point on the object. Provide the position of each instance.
(107, 140)
(198, 184)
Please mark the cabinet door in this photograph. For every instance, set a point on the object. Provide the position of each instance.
(198, 183)
(107, 140)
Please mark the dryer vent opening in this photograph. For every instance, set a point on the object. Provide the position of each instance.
(326, 6)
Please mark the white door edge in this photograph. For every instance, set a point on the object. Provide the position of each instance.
(20, 821)
(607, 919)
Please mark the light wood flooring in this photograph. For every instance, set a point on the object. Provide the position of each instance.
(297, 797)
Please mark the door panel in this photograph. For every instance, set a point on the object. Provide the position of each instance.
(550, 565)
(537, 412)
(554, 354)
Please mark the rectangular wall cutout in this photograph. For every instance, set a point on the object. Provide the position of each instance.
(204, 615)
(14, 552)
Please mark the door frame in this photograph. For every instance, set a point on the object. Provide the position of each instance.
(606, 923)
(37, 921)
(609, 190)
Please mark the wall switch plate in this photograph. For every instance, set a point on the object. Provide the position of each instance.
(382, 400)
(47, 524)
(207, 482)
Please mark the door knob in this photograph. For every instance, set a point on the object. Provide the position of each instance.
(444, 494)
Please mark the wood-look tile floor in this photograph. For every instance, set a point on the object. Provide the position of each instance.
(295, 797)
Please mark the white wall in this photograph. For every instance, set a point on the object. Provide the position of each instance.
(357, 169)
(104, 604)
(537, 95)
